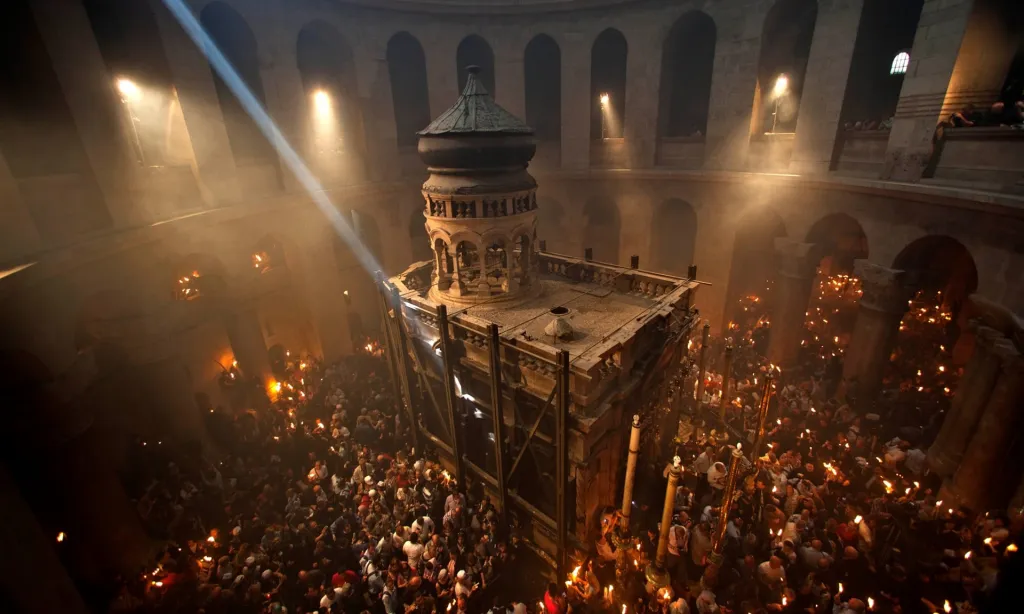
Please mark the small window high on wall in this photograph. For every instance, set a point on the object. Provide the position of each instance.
(900, 63)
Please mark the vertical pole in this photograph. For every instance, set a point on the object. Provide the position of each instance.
(656, 573)
(385, 320)
(726, 376)
(627, 490)
(401, 368)
(715, 558)
(562, 461)
(449, 389)
(762, 414)
(704, 341)
(498, 416)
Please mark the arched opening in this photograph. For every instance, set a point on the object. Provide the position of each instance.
(785, 49)
(687, 59)
(940, 266)
(418, 237)
(467, 263)
(674, 234)
(496, 265)
(196, 276)
(474, 51)
(880, 60)
(268, 255)
(752, 275)
(39, 136)
(234, 38)
(328, 77)
(608, 85)
(150, 110)
(601, 227)
(552, 226)
(931, 344)
(407, 69)
(542, 65)
(835, 296)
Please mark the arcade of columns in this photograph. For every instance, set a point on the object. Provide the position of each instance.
(976, 448)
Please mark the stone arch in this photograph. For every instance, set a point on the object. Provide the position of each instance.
(125, 31)
(687, 60)
(601, 229)
(754, 263)
(542, 67)
(939, 263)
(872, 88)
(785, 49)
(269, 254)
(608, 78)
(327, 69)
(474, 50)
(841, 240)
(235, 39)
(36, 148)
(674, 236)
(407, 70)
(198, 275)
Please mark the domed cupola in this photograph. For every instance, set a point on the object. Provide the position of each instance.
(481, 203)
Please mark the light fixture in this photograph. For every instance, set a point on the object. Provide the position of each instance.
(128, 89)
(605, 99)
(322, 101)
(781, 85)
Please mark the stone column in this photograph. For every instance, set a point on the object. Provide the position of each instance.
(797, 266)
(575, 101)
(940, 62)
(247, 342)
(91, 96)
(643, 78)
(287, 102)
(972, 396)
(380, 132)
(321, 283)
(828, 70)
(193, 81)
(31, 575)
(732, 85)
(510, 78)
(881, 308)
(20, 234)
(987, 476)
(442, 73)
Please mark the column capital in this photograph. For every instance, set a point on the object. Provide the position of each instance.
(796, 259)
(884, 289)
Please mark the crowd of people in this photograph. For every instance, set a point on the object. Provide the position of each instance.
(840, 514)
(317, 502)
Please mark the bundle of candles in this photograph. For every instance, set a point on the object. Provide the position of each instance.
(830, 317)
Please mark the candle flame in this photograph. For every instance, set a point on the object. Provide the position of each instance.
(858, 519)
(871, 603)
(967, 555)
(1011, 547)
(211, 539)
(946, 607)
(840, 588)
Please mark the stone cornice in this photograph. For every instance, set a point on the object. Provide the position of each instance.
(884, 289)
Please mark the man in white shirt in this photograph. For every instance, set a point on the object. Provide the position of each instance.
(413, 550)
(771, 572)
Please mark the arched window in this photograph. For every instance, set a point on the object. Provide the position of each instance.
(900, 63)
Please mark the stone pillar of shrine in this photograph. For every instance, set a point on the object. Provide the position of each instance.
(988, 473)
(882, 305)
(972, 395)
(32, 577)
(247, 342)
(797, 265)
